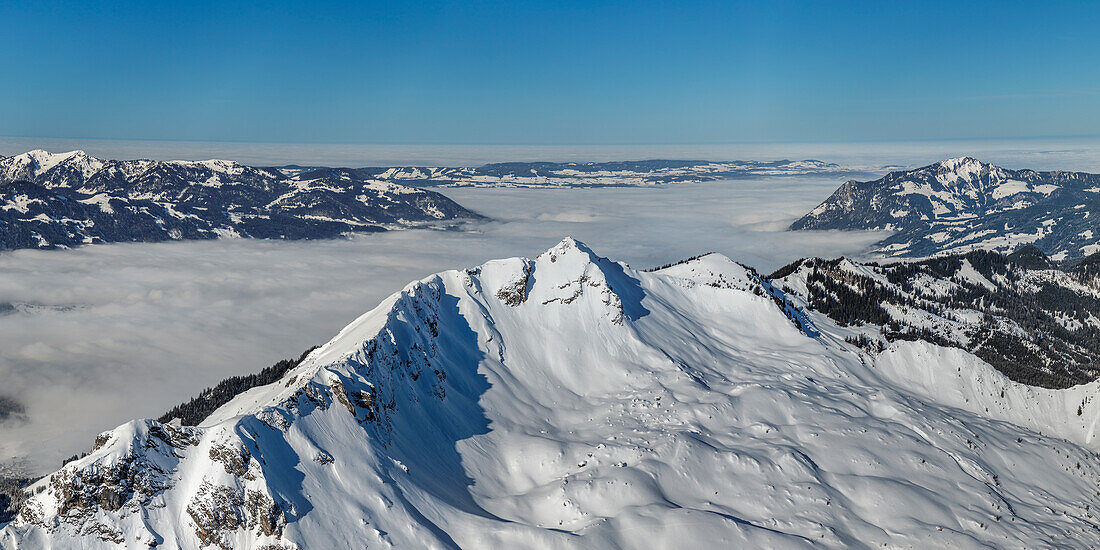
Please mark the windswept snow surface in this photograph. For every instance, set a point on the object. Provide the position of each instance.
(573, 402)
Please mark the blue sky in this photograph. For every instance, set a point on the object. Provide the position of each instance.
(549, 73)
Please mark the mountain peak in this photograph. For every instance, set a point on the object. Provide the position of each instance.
(570, 246)
(571, 271)
(570, 255)
(962, 203)
(45, 160)
(953, 162)
(963, 166)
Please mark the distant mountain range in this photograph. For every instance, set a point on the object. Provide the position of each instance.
(591, 174)
(571, 401)
(51, 200)
(60, 200)
(963, 204)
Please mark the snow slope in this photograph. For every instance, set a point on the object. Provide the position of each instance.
(570, 401)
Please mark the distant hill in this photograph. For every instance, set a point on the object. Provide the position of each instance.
(963, 204)
(50, 200)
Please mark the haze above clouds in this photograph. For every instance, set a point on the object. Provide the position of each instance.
(137, 328)
(1079, 154)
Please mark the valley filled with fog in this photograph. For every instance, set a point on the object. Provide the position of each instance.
(101, 334)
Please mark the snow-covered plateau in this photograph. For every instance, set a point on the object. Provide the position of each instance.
(571, 401)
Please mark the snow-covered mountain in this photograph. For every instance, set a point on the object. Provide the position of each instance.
(963, 204)
(1033, 321)
(50, 200)
(570, 401)
(590, 174)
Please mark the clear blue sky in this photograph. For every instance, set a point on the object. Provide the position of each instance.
(536, 73)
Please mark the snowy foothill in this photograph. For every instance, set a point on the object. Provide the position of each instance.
(571, 401)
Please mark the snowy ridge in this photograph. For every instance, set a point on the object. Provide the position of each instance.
(61, 200)
(570, 401)
(963, 204)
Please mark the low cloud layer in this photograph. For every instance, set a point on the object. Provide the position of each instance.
(115, 332)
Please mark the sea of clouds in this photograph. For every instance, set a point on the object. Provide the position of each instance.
(106, 333)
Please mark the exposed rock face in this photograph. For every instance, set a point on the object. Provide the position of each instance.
(68, 199)
(962, 204)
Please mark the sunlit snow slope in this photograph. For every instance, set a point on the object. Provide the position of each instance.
(573, 402)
